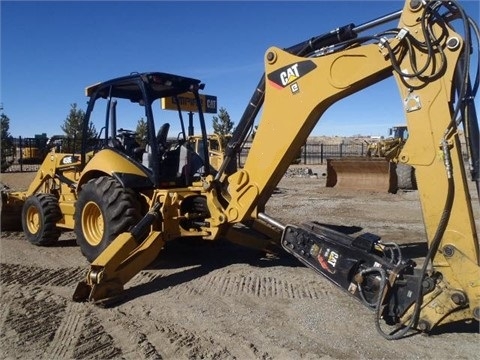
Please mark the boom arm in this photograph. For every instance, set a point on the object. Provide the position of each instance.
(422, 54)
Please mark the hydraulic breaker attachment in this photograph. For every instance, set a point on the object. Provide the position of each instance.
(125, 257)
(371, 271)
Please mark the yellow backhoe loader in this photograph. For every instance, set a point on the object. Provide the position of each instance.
(124, 210)
(379, 170)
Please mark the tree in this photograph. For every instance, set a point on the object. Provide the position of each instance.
(5, 126)
(73, 127)
(222, 125)
(6, 142)
(141, 132)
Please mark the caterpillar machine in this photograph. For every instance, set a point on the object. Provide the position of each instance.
(125, 210)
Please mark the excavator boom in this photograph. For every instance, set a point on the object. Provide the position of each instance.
(299, 89)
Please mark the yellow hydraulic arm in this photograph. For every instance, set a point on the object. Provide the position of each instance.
(298, 90)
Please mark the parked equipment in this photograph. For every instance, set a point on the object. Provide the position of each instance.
(34, 150)
(378, 171)
(124, 211)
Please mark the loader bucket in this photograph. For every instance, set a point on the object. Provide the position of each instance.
(362, 173)
(10, 212)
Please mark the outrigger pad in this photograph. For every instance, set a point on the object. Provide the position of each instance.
(104, 294)
(82, 292)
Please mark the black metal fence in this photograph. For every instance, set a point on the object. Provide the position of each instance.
(317, 153)
(26, 154)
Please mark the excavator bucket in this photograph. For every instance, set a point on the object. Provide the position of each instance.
(362, 173)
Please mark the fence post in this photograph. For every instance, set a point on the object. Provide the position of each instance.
(21, 153)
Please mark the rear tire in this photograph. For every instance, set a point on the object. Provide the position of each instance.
(104, 210)
(40, 214)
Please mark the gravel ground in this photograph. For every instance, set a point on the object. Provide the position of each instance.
(217, 300)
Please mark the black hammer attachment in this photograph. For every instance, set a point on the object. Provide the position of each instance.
(362, 266)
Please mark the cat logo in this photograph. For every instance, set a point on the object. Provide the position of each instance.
(287, 75)
(332, 258)
(328, 260)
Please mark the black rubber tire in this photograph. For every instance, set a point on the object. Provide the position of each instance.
(40, 214)
(104, 209)
(406, 177)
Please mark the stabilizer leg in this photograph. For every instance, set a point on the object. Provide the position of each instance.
(119, 263)
(125, 257)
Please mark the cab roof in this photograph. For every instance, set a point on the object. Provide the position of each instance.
(157, 85)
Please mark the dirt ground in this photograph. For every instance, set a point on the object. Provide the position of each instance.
(218, 300)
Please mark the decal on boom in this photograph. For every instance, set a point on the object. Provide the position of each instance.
(286, 75)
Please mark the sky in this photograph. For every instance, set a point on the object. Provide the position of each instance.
(52, 50)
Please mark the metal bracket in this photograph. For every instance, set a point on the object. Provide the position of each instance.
(412, 102)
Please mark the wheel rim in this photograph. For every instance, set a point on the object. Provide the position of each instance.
(92, 223)
(33, 219)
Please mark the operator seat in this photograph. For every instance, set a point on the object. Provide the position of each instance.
(161, 140)
(162, 137)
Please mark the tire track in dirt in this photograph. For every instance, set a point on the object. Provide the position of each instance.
(181, 342)
(94, 342)
(143, 277)
(253, 285)
(144, 337)
(74, 330)
(32, 275)
(68, 330)
(80, 331)
(220, 284)
(63, 344)
(163, 337)
(126, 334)
(27, 311)
(5, 306)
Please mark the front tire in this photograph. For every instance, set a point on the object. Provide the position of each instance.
(104, 209)
(40, 214)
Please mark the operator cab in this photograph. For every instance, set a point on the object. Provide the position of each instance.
(399, 132)
(138, 102)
